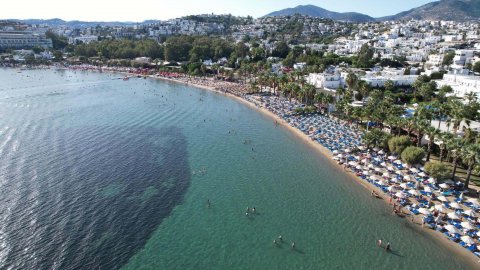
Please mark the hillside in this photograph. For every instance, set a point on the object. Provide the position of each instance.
(315, 11)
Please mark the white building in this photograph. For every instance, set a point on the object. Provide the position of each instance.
(82, 39)
(21, 39)
(435, 59)
(462, 57)
(375, 80)
(461, 84)
(326, 80)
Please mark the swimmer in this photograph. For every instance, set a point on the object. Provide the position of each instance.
(293, 245)
(248, 209)
(208, 203)
(280, 238)
(387, 247)
(253, 210)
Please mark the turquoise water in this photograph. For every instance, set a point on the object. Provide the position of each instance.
(100, 172)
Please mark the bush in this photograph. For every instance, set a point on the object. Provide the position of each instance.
(398, 144)
(413, 155)
(437, 170)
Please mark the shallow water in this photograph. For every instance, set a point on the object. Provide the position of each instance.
(97, 172)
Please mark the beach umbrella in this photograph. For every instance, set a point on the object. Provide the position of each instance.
(453, 215)
(381, 152)
(358, 167)
(427, 189)
(340, 156)
(414, 170)
(398, 172)
(443, 199)
(467, 240)
(440, 208)
(407, 177)
(472, 200)
(376, 149)
(424, 211)
(403, 185)
(467, 225)
(386, 175)
(352, 163)
(444, 186)
(398, 161)
(391, 188)
(371, 166)
(432, 180)
(414, 192)
(374, 177)
(452, 229)
(400, 195)
(470, 213)
(347, 150)
(335, 151)
(365, 173)
(383, 164)
(381, 182)
(378, 170)
(392, 158)
(455, 205)
(361, 148)
(422, 174)
(390, 168)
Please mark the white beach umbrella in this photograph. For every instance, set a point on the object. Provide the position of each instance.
(467, 225)
(340, 155)
(444, 186)
(399, 172)
(407, 177)
(470, 213)
(432, 180)
(335, 151)
(381, 152)
(467, 240)
(347, 150)
(400, 195)
(440, 208)
(452, 229)
(361, 148)
(386, 174)
(391, 188)
(381, 182)
(352, 163)
(424, 211)
(335, 158)
(365, 172)
(392, 158)
(472, 200)
(398, 161)
(383, 164)
(404, 185)
(390, 168)
(378, 170)
(376, 149)
(443, 199)
(427, 189)
(371, 166)
(414, 170)
(455, 205)
(358, 167)
(422, 174)
(453, 215)
(414, 192)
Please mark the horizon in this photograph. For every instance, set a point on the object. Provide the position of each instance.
(169, 10)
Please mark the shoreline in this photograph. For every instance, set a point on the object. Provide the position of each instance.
(454, 248)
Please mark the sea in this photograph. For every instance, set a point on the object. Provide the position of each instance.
(101, 173)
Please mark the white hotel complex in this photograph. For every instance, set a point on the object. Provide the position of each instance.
(21, 39)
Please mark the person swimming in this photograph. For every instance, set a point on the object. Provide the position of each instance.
(208, 204)
(387, 247)
(253, 210)
(293, 245)
(280, 238)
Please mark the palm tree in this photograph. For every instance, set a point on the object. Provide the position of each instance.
(432, 133)
(458, 114)
(445, 137)
(454, 146)
(470, 156)
(352, 81)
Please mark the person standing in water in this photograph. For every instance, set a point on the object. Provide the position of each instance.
(293, 245)
(208, 204)
(387, 247)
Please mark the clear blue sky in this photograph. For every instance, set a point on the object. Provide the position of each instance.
(139, 10)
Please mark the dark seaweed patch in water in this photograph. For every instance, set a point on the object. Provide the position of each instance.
(99, 195)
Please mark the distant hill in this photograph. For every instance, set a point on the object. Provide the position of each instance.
(314, 11)
(449, 10)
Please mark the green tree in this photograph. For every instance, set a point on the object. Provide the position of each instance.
(476, 67)
(437, 170)
(448, 58)
(365, 56)
(413, 155)
(281, 49)
(398, 144)
(470, 157)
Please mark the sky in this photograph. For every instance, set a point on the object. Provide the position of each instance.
(140, 10)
